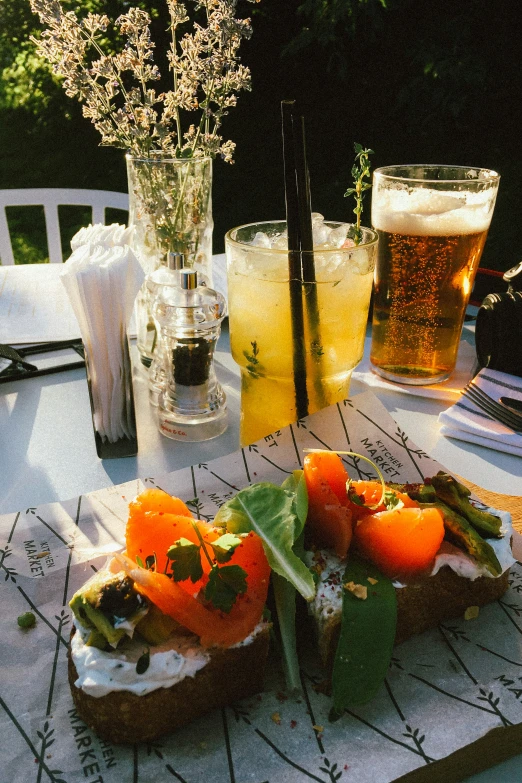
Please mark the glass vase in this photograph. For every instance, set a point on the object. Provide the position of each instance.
(170, 208)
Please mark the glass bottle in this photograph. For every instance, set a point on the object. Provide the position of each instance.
(193, 405)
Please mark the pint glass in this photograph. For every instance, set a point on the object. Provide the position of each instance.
(432, 223)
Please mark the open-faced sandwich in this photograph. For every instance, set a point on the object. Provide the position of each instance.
(171, 629)
(175, 627)
(393, 561)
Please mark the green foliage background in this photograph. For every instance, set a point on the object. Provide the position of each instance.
(433, 81)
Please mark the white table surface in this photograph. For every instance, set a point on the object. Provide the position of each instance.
(47, 450)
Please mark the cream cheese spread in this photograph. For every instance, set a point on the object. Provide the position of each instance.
(466, 566)
(100, 672)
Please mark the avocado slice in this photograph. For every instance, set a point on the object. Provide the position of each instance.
(109, 605)
(156, 627)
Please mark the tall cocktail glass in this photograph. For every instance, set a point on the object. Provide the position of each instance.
(335, 312)
(432, 223)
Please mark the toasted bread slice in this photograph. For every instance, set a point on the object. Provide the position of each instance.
(420, 605)
(125, 717)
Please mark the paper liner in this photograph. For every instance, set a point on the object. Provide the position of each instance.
(445, 689)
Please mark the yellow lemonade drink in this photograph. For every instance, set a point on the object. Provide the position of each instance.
(432, 223)
(335, 312)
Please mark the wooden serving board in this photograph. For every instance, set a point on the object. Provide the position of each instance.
(511, 503)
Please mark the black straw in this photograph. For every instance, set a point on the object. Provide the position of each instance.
(294, 257)
(307, 256)
(304, 202)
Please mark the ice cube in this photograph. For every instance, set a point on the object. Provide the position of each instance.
(280, 242)
(320, 232)
(362, 262)
(261, 240)
(337, 236)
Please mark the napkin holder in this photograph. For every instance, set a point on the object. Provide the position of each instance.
(124, 446)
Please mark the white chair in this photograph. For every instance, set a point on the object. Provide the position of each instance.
(50, 199)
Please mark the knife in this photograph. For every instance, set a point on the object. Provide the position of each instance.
(511, 402)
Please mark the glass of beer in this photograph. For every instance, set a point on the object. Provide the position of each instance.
(432, 223)
(262, 335)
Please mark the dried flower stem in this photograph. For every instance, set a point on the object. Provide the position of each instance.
(117, 90)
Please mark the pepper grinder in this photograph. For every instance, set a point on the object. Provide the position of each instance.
(166, 275)
(192, 407)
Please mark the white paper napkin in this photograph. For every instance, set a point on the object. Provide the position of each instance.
(102, 283)
(448, 390)
(109, 236)
(467, 422)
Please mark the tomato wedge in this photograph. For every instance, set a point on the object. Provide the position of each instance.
(329, 518)
(154, 499)
(401, 542)
(155, 522)
(154, 533)
(215, 628)
(370, 493)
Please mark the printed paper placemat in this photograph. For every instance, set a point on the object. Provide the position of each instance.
(445, 689)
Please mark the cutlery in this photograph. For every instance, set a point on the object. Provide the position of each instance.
(511, 403)
(17, 368)
(493, 408)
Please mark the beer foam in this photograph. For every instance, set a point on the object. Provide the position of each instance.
(427, 212)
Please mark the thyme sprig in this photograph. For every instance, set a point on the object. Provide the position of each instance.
(360, 170)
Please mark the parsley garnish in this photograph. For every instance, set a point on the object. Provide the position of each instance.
(225, 583)
(225, 546)
(186, 560)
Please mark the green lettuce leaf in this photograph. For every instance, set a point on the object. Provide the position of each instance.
(296, 484)
(275, 514)
(284, 594)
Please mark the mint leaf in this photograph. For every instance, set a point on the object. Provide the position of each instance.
(225, 546)
(271, 512)
(224, 585)
(186, 560)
